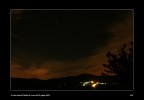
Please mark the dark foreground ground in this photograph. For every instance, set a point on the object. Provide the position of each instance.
(80, 82)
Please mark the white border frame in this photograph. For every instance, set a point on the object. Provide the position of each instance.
(72, 9)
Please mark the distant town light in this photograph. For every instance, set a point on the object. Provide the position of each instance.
(83, 84)
(91, 81)
(93, 85)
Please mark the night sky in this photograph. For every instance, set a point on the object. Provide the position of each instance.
(58, 43)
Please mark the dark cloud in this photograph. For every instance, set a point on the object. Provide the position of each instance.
(73, 38)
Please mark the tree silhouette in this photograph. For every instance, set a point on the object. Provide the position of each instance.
(121, 64)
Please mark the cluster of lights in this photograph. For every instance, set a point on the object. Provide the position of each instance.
(85, 83)
(102, 83)
(92, 83)
(95, 84)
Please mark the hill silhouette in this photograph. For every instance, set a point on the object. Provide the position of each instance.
(69, 83)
